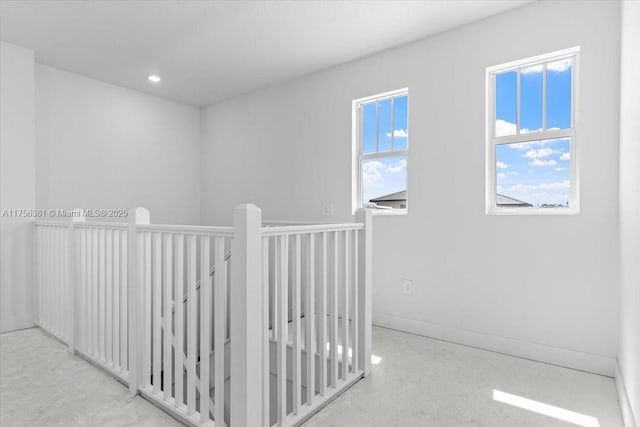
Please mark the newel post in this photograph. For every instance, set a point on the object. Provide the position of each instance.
(73, 266)
(135, 311)
(247, 320)
(365, 278)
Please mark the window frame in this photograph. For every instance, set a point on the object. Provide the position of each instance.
(492, 141)
(358, 144)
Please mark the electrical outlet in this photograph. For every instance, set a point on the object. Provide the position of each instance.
(407, 287)
(327, 209)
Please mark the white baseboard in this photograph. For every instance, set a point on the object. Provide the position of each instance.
(623, 399)
(594, 363)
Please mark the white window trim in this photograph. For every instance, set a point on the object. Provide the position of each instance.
(357, 156)
(492, 141)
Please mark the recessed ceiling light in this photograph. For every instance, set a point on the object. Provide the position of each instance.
(154, 79)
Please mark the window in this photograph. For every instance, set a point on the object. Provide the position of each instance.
(531, 135)
(381, 143)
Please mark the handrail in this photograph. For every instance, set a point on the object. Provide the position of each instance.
(189, 229)
(303, 229)
(103, 224)
(210, 230)
(285, 222)
(83, 224)
(50, 223)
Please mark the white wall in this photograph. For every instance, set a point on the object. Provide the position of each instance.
(103, 146)
(543, 287)
(629, 356)
(17, 185)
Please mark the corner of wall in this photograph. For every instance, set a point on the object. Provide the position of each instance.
(628, 370)
(201, 163)
(623, 398)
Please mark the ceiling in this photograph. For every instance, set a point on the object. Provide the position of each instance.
(209, 51)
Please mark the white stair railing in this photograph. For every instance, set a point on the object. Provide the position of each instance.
(177, 368)
(264, 340)
(316, 297)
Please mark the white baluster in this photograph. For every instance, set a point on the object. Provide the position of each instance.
(109, 300)
(220, 313)
(168, 308)
(117, 303)
(157, 311)
(102, 303)
(322, 317)
(147, 267)
(191, 324)
(295, 308)
(205, 327)
(179, 322)
(309, 316)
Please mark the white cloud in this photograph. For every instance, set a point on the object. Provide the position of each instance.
(555, 185)
(536, 154)
(530, 170)
(371, 172)
(541, 193)
(544, 186)
(501, 165)
(531, 70)
(565, 156)
(504, 128)
(522, 187)
(400, 166)
(503, 175)
(538, 162)
(561, 168)
(373, 164)
(399, 133)
(557, 66)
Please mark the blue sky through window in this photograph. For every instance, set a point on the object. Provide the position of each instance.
(400, 123)
(388, 126)
(383, 176)
(559, 95)
(531, 99)
(384, 125)
(535, 172)
(506, 99)
(369, 128)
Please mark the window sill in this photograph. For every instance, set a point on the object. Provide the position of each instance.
(533, 211)
(388, 212)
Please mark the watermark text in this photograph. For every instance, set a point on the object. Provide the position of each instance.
(65, 213)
